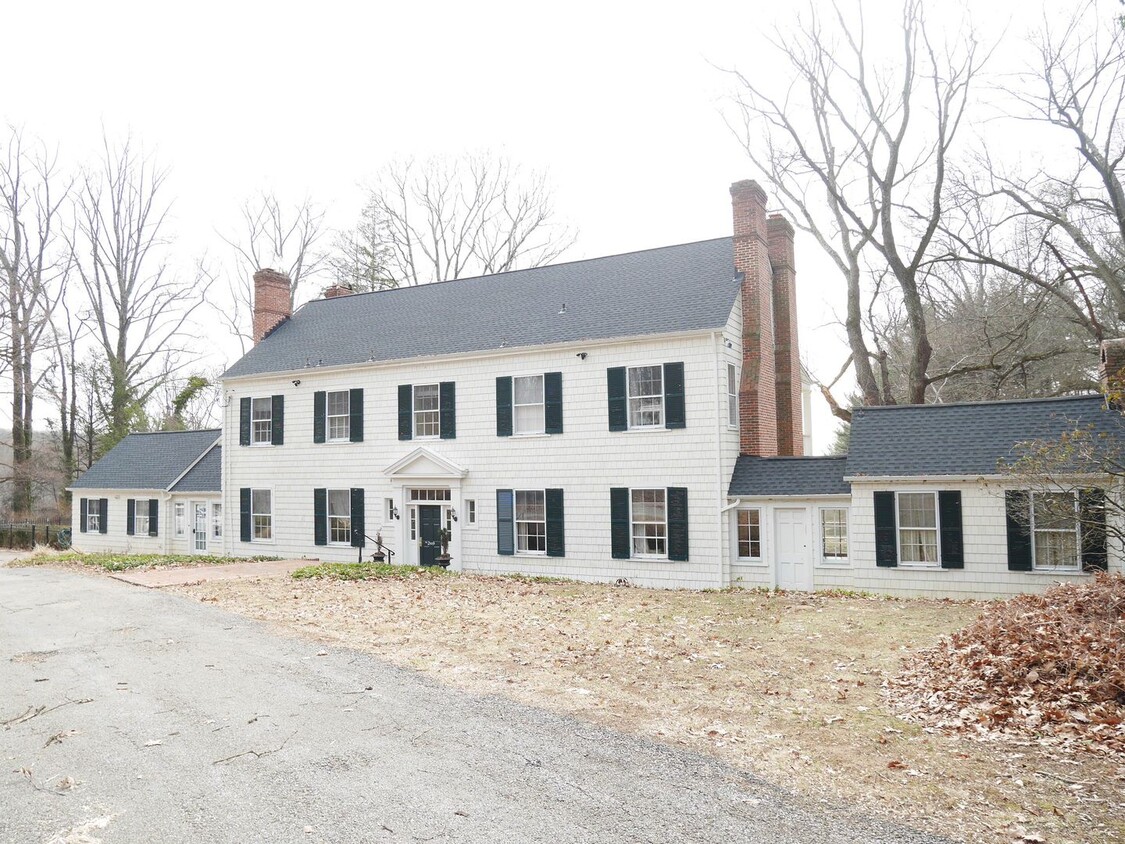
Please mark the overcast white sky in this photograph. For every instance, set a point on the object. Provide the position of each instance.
(618, 101)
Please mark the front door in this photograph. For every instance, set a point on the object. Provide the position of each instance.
(429, 530)
(791, 549)
(199, 526)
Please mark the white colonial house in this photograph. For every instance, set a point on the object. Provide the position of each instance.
(635, 417)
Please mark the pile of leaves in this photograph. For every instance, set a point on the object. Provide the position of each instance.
(1049, 667)
(366, 571)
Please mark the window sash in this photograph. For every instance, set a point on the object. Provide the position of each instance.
(531, 521)
(338, 415)
(649, 520)
(918, 528)
(750, 534)
(471, 511)
(646, 396)
(261, 514)
(180, 518)
(1055, 531)
(529, 414)
(261, 424)
(140, 517)
(340, 516)
(427, 410)
(732, 395)
(93, 522)
(834, 533)
(216, 521)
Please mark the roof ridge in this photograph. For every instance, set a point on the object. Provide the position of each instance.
(521, 270)
(189, 431)
(1079, 397)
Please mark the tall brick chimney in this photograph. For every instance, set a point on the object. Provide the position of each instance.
(757, 395)
(271, 302)
(787, 356)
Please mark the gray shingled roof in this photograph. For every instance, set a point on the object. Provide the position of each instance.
(965, 439)
(789, 476)
(672, 289)
(204, 476)
(147, 461)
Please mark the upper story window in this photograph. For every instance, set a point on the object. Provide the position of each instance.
(750, 534)
(834, 534)
(261, 421)
(732, 395)
(649, 522)
(338, 415)
(646, 396)
(918, 528)
(427, 410)
(528, 408)
(1055, 530)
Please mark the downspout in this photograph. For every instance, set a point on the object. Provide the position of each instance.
(724, 579)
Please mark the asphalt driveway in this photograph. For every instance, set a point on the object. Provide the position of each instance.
(131, 715)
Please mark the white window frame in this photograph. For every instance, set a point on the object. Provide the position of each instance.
(255, 514)
(471, 512)
(1077, 567)
(415, 412)
(750, 542)
(179, 518)
(517, 521)
(732, 396)
(899, 529)
(217, 520)
(643, 555)
(335, 524)
(827, 560)
(140, 517)
(266, 421)
(330, 417)
(630, 398)
(541, 404)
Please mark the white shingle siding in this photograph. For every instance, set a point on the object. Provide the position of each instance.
(117, 540)
(585, 461)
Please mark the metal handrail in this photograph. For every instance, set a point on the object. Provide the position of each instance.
(379, 545)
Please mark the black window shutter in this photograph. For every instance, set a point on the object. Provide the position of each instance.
(618, 403)
(320, 415)
(675, 415)
(619, 522)
(103, 515)
(1091, 509)
(556, 523)
(405, 411)
(359, 527)
(952, 538)
(244, 421)
(448, 405)
(245, 534)
(320, 517)
(1017, 512)
(355, 415)
(677, 523)
(277, 433)
(553, 402)
(153, 517)
(83, 513)
(505, 538)
(130, 516)
(886, 545)
(503, 406)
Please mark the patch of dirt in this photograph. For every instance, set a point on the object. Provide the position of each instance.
(786, 686)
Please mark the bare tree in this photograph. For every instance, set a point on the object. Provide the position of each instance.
(442, 219)
(857, 150)
(33, 266)
(138, 309)
(280, 237)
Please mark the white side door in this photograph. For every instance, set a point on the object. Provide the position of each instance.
(791, 548)
(199, 525)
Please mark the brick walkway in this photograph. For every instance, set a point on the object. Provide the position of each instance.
(155, 578)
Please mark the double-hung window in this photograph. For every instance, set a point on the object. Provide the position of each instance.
(528, 409)
(649, 522)
(338, 416)
(216, 521)
(918, 528)
(531, 521)
(834, 534)
(340, 516)
(732, 395)
(427, 410)
(1055, 531)
(140, 517)
(750, 534)
(180, 518)
(261, 514)
(646, 396)
(261, 421)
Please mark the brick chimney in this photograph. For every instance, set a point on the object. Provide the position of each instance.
(1111, 367)
(787, 356)
(757, 395)
(271, 302)
(337, 290)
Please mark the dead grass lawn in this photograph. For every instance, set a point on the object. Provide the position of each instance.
(785, 686)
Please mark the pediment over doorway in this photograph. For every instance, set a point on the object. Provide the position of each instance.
(424, 463)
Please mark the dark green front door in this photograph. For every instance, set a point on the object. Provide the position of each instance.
(429, 528)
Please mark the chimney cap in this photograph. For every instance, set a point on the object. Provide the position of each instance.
(748, 188)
